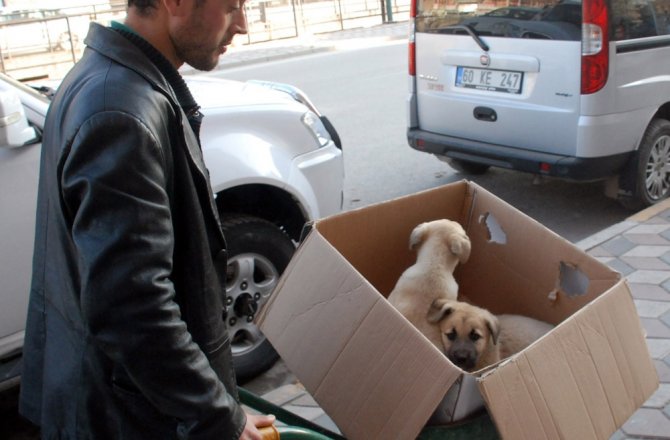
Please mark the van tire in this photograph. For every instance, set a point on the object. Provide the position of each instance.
(468, 167)
(652, 174)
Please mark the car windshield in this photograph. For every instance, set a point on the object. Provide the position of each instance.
(544, 19)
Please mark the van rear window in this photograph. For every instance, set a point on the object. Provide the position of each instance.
(541, 19)
(538, 19)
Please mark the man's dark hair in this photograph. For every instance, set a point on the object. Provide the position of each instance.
(143, 5)
(146, 5)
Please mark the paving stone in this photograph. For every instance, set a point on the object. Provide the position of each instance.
(647, 423)
(284, 394)
(649, 291)
(651, 309)
(647, 251)
(660, 399)
(665, 234)
(305, 400)
(599, 251)
(327, 423)
(659, 348)
(649, 276)
(649, 239)
(306, 412)
(650, 227)
(620, 266)
(619, 435)
(663, 371)
(605, 260)
(655, 328)
(618, 246)
(646, 263)
(665, 318)
(657, 221)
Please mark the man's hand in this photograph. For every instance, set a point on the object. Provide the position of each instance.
(253, 423)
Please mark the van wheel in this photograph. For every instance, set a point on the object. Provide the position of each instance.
(652, 179)
(468, 167)
(258, 253)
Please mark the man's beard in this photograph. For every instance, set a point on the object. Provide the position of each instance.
(198, 57)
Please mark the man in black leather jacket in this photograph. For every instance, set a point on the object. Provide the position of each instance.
(124, 338)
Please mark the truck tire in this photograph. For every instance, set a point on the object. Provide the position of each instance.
(258, 253)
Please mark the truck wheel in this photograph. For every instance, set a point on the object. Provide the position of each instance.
(652, 175)
(467, 167)
(258, 252)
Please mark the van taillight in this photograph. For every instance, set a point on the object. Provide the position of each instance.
(595, 45)
(412, 46)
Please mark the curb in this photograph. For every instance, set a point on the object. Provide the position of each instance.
(619, 228)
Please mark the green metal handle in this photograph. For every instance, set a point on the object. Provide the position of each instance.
(296, 433)
(295, 422)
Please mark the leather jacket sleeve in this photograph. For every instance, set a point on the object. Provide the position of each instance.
(114, 193)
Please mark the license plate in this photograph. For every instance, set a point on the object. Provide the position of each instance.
(488, 79)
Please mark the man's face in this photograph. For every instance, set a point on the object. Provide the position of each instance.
(203, 36)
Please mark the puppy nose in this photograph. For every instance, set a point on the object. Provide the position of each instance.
(462, 359)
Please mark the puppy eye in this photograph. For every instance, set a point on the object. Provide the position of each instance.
(452, 335)
(474, 337)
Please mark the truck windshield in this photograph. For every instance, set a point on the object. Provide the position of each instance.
(538, 19)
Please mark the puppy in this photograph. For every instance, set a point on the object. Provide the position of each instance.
(440, 245)
(474, 338)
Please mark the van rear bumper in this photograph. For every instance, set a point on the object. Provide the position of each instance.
(501, 156)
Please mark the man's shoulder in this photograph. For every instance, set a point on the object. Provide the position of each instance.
(102, 86)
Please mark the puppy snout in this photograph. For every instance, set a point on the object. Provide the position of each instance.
(463, 357)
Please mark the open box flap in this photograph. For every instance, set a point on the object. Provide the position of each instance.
(583, 380)
(353, 351)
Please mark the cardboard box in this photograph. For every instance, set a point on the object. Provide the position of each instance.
(377, 377)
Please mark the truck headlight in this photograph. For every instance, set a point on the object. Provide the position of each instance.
(314, 124)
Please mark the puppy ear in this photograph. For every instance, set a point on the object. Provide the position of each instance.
(493, 326)
(459, 245)
(439, 309)
(417, 236)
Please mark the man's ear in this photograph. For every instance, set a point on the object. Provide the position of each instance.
(178, 8)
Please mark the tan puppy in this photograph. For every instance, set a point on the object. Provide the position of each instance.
(474, 338)
(440, 245)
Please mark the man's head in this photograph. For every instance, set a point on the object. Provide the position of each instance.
(143, 5)
(195, 32)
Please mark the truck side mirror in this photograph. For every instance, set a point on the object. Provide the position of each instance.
(14, 128)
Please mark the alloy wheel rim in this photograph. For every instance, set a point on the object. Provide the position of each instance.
(250, 279)
(657, 173)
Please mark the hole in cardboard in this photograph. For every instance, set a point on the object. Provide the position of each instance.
(572, 281)
(496, 233)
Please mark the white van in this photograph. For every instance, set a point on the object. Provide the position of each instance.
(577, 89)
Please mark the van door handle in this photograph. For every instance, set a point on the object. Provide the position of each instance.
(485, 114)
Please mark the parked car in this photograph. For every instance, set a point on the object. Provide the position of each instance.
(581, 91)
(275, 164)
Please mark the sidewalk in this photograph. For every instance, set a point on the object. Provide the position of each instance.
(237, 56)
(639, 248)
